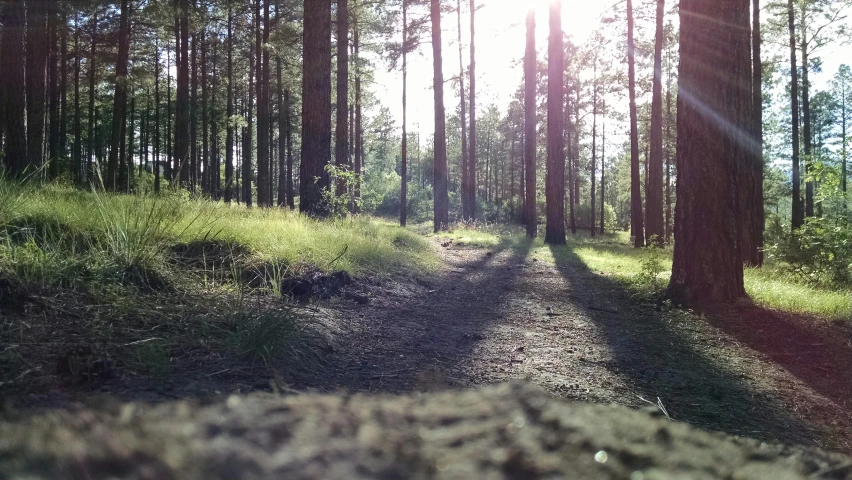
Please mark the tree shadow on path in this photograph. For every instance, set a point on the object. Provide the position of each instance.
(420, 343)
(676, 358)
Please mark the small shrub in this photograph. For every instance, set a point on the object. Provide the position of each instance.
(819, 253)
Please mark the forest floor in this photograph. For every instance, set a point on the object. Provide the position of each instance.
(515, 311)
(499, 314)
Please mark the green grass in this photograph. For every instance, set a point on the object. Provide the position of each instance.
(613, 256)
(66, 237)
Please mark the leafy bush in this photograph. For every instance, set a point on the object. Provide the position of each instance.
(819, 252)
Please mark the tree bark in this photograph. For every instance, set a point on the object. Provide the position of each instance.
(403, 192)
(707, 265)
(15, 90)
(36, 60)
(798, 216)
(471, 175)
(530, 81)
(753, 221)
(637, 227)
(53, 89)
(77, 153)
(119, 99)
(654, 202)
(807, 135)
(341, 144)
(439, 180)
(316, 107)
(229, 136)
(465, 169)
(555, 178)
(359, 126)
(203, 167)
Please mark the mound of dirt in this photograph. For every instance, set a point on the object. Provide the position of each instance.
(509, 431)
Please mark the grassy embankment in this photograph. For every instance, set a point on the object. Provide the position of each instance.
(159, 282)
(645, 272)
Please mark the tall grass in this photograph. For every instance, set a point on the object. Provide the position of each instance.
(128, 239)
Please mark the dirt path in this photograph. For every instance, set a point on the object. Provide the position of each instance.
(495, 316)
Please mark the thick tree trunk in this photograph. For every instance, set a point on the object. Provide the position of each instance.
(530, 136)
(316, 107)
(637, 227)
(403, 193)
(63, 85)
(707, 265)
(15, 90)
(654, 195)
(341, 144)
(798, 217)
(439, 180)
(555, 178)
(248, 133)
(119, 100)
(182, 104)
(471, 175)
(465, 169)
(36, 58)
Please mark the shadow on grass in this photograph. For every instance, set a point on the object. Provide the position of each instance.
(659, 357)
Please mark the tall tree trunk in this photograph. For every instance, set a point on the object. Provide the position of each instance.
(603, 169)
(15, 90)
(127, 161)
(63, 85)
(262, 113)
(403, 193)
(574, 150)
(77, 154)
(530, 81)
(120, 99)
(90, 174)
(341, 144)
(183, 115)
(203, 169)
(654, 195)
(359, 126)
(668, 148)
(248, 132)
(291, 200)
(798, 217)
(807, 135)
(193, 112)
(53, 89)
(36, 55)
(157, 150)
(555, 178)
(465, 169)
(283, 112)
(316, 107)
(707, 266)
(753, 221)
(169, 164)
(439, 180)
(471, 176)
(593, 211)
(637, 227)
(215, 177)
(229, 136)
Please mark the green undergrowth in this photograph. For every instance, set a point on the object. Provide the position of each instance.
(645, 272)
(104, 269)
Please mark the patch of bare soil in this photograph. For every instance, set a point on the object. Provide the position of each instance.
(506, 432)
